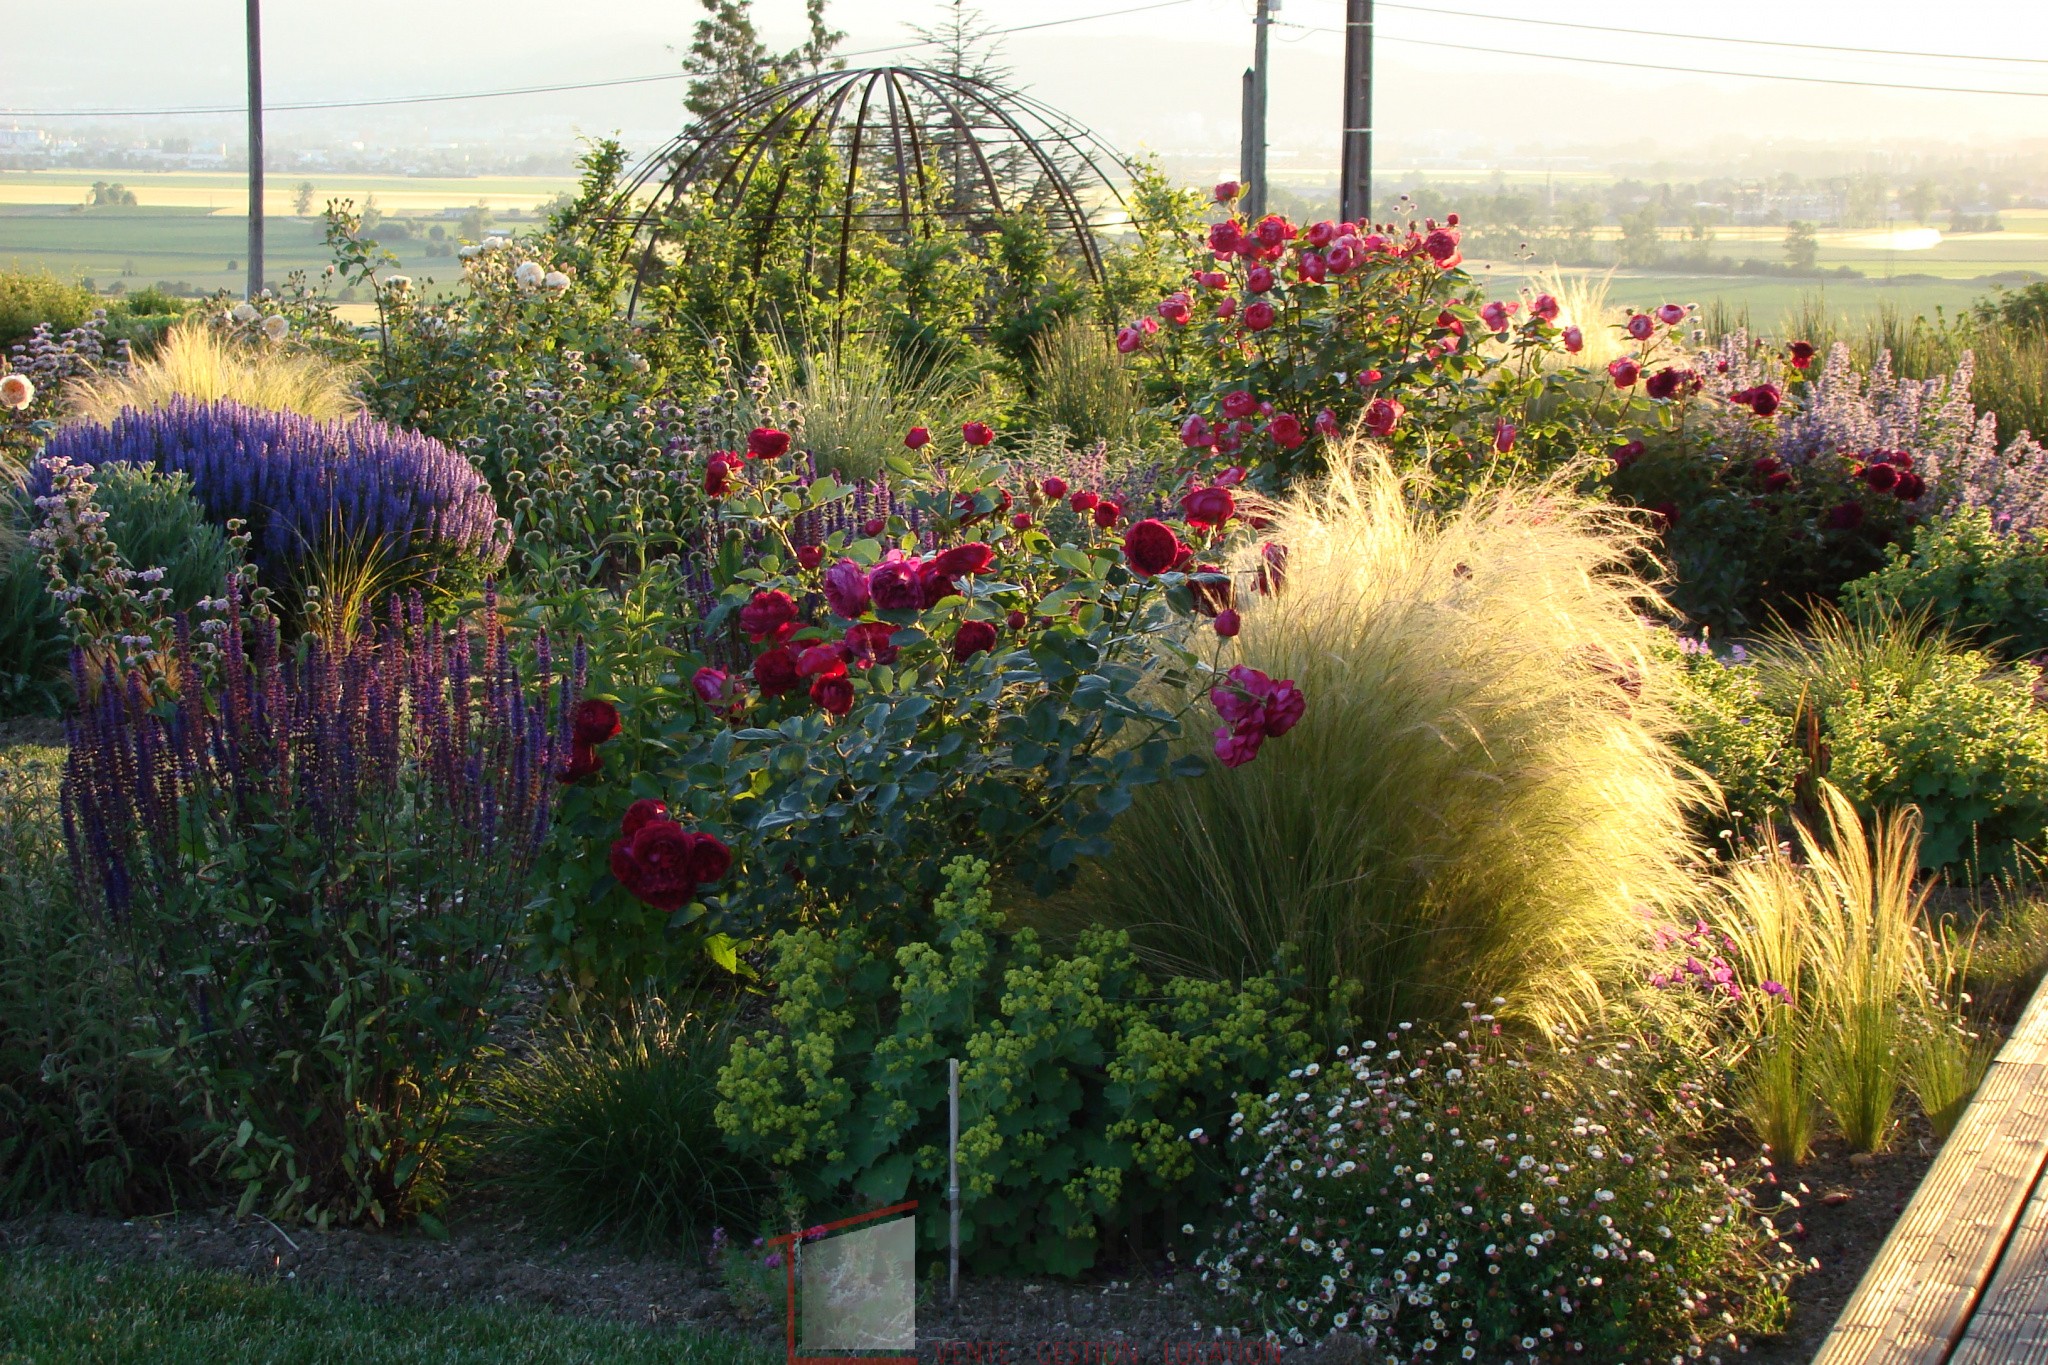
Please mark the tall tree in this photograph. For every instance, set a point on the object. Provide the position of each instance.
(727, 58)
(968, 45)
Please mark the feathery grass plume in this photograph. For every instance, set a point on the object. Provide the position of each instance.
(856, 397)
(1480, 799)
(607, 1129)
(1582, 303)
(197, 362)
(1079, 382)
(1843, 931)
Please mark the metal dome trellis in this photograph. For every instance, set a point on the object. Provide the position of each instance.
(884, 125)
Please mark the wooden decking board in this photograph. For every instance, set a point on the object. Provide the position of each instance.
(1969, 1257)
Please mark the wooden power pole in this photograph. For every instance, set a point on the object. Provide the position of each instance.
(255, 148)
(1356, 195)
(1252, 153)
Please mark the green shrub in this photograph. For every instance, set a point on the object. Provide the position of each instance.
(1080, 1080)
(1990, 587)
(83, 1124)
(1905, 716)
(155, 523)
(1479, 798)
(607, 1129)
(26, 300)
(1469, 1200)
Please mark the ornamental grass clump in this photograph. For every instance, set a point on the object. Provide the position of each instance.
(200, 364)
(1478, 797)
(1462, 1199)
(300, 485)
(313, 870)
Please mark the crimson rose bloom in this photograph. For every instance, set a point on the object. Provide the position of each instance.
(973, 637)
(1239, 403)
(1108, 512)
(718, 477)
(1667, 382)
(1054, 488)
(917, 438)
(767, 443)
(640, 813)
(775, 672)
(1084, 501)
(1671, 314)
(977, 433)
(1574, 340)
(821, 661)
(973, 557)
(1151, 547)
(1208, 506)
(1259, 316)
(1441, 246)
(710, 684)
(1228, 623)
(653, 864)
(895, 584)
(1640, 326)
(1285, 429)
(1381, 415)
(846, 589)
(583, 762)
(1546, 307)
(1624, 372)
(1259, 279)
(769, 617)
(867, 644)
(834, 696)
(1881, 477)
(594, 721)
(1802, 354)
(810, 556)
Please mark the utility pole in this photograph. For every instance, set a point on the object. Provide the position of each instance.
(1253, 152)
(1355, 199)
(255, 148)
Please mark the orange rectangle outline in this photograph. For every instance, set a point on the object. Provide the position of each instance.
(790, 1240)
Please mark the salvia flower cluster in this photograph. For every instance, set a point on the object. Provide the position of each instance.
(1457, 1200)
(302, 485)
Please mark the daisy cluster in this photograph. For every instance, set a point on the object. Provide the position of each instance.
(1461, 1199)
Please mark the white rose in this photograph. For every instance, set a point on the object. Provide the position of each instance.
(16, 391)
(493, 242)
(277, 327)
(529, 274)
(555, 280)
(244, 312)
(469, 252)
(398, 284)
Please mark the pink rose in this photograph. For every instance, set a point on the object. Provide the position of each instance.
(1259, 316)
(1671, 314)
(1624, 372)
(1640, 326)
(1259, 279)
(1239, 403)
(1574, 340)
(1381, 415)
(1545, 307)
(1195, 433)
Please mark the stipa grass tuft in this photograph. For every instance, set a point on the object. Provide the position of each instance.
(199, 363)
(1480, 799)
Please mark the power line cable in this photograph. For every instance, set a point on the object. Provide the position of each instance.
(1685, 70)
(1716, 38)
(509, 91)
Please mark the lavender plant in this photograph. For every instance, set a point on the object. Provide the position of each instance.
(314, 868)
(304, 486)
(1459, 1200)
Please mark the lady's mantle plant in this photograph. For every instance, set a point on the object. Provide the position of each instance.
(1079, 1078)
(1455, 1201)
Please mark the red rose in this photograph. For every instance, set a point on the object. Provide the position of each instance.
(1671, 314)
(834, 696)
(976, 433)
(775, 672)
(973, 637)
(594, 721)
(767, 443)
(1285, 429)
(1228, 623)
(1054, 488)
(718, 477)
(821, 661)
(1239, 403)
(769, 617)
(1911, 487)
(867, 644)
(1441, 246)
(1844, 516)
(710, 684)
(874, 526)
(1017, 620)
(1574, 340)
(1227, 190)
(1640, 326)
(1208, 506)
(1669, 381)
(1624, 372)
(917, 438)
(896, 585)
(1381, 415)
(1021, 522)
(640, 813)
(1151, 547)
(1545, 307)
(583, 762)
(1259, 316)
(1258, 279)
(1225, 237)
(710, 859)
(1802, 354)
(1108, 512)
(973, 557)
(1763, 400)
(1627, 454)
(1084, 501)
(810, 556)
(653, 864)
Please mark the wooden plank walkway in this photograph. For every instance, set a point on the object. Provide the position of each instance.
(1963, 1277)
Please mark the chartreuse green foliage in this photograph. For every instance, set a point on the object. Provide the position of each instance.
(1906, 716)
(1982, 583)
(1081, 1079)
(77, 1312)
(1480, 797)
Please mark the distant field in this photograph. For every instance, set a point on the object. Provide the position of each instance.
(187, 227)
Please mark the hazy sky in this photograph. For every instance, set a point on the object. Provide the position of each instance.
(1166, 79)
